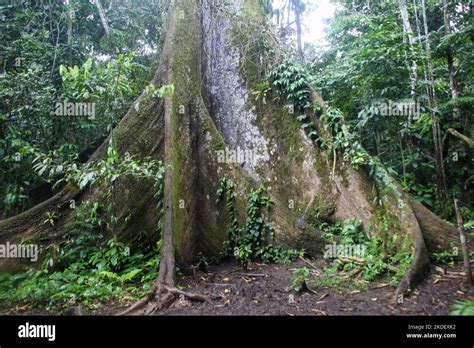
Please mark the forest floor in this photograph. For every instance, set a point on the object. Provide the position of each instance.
(265, 289)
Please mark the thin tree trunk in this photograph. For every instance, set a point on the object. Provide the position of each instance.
(55, 49)
(297, 7)
(462, 237)
(288, 12)
(103, 17)
(440, 172)
(420, 44)
(451, 69)
(377, 142)
(70, 12)
(411, 41)
(166, 273)
(400, 138)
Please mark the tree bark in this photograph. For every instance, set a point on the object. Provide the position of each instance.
(71, 17)
(440, 171)
(103, 17)
(210, 112)
(469, 142)
(462, 237)
(451, 69)
(297, 7)
(167, 262)
(411, 40)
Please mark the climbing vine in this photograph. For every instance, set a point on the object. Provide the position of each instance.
(252, 240)
(328, 130)
(292, 81)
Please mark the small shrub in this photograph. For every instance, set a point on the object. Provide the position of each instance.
(300, 279)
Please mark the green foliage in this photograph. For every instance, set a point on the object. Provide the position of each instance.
(291, 80)
(464, 307)
(348, 232)
(50, 218)
(443, 257)
(203, 262)
(81, 239)
(252, 240)
(278, 254)
(85, 269)
(162, 92)
(380, 256)
(342, 138)
(257, 230)
(368, 60)
(226, 189)
(423, 193)
(32, 131)
(469, 224)
(261, 92)
(300, 278)
(266, 6)
(112, 85)
(42, 64)
(103, 172)
(336, 136)
(352, 232)
(334, 278)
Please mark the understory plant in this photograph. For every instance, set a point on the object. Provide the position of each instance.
(85, 268)
(253, 239)
(300, 278)
(462, 307)
(91, 264)
(378, 257)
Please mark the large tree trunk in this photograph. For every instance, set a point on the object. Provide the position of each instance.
(210, 111)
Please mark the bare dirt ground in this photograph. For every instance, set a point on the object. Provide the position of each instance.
(265, 289)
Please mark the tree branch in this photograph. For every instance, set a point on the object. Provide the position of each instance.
(458, 135)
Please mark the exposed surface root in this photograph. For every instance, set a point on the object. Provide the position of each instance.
(160, 297)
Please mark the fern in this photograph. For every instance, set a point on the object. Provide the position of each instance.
(463, 307)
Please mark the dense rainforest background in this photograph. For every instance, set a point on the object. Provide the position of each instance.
(100, 98)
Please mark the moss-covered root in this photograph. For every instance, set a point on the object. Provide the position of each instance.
(30, 226)
(420, 259)
(399, 214)
(421, 230)
(140, 134)
(438, 234)
(432, 234)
